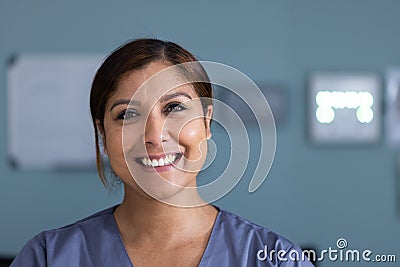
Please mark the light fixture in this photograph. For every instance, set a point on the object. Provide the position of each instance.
(344, 108)
(329, 101)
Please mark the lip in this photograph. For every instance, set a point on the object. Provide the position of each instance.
(163, 168)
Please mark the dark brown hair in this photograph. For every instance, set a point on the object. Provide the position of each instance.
(135, 55)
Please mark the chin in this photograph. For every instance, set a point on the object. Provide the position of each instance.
(162, 187)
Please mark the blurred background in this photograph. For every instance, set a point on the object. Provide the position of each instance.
(314, 193)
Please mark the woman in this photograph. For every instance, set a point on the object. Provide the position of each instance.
(152, 122)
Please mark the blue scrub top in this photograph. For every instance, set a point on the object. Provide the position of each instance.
(95, 241)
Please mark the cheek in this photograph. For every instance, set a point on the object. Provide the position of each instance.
(114, 145)
(192, 136)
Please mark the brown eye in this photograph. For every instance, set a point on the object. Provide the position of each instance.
(174, 107)
(127, 114)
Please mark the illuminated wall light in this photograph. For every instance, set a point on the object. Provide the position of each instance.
(365, 114)
(325, 114)
(338, 100)
(323, 99)
(327, 101)
(352, 100)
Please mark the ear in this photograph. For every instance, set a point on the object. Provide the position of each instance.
(208, 117)
(102, 136)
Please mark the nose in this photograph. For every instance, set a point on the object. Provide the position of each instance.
(155, 133)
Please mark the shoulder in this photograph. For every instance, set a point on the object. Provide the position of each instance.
(240, 225)
(80, 228)
(74, 239)
(254, 245)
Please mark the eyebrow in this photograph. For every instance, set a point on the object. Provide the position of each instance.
(124, 101)
(170, 96)
(165, 98)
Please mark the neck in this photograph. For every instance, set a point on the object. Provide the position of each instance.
(145, 222)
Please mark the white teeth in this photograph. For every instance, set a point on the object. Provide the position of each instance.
(154, 163)
(161, 162)
(171, 158)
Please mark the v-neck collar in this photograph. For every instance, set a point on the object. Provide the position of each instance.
(124, 257)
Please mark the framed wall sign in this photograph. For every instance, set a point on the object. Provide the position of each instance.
(344, 108)
(49, 125)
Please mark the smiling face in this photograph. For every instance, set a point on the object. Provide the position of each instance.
(155, 132)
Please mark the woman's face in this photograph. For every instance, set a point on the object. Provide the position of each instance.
(155, 136)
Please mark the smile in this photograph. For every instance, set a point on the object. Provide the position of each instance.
(153, 161)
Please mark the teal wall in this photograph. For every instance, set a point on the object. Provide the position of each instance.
(313, 195)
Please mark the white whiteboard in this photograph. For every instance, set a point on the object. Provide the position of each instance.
(49, 124)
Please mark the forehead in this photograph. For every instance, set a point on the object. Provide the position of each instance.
(151, 83)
